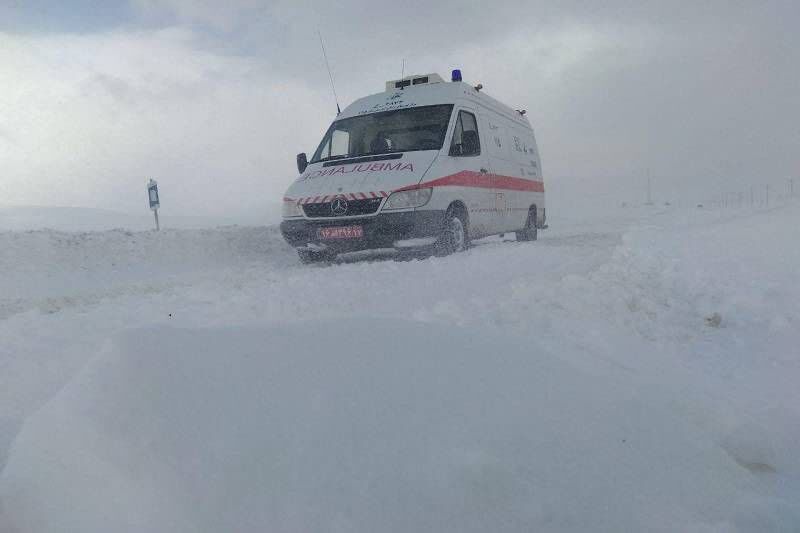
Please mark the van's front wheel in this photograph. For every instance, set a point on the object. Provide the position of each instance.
(454, 237)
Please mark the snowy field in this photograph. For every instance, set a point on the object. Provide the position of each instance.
(632, 371)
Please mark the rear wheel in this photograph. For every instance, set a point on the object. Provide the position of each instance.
(455, 236)
(530, 232)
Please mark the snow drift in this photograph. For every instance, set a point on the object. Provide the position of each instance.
(27, 218)
(48, 269)
(361, 426)
(572, 384)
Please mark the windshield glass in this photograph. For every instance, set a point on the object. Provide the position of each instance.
(403, 130)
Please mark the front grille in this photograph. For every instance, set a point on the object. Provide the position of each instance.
(354, 208)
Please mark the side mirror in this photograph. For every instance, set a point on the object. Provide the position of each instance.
(302, 162)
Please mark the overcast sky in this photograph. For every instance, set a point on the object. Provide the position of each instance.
(214, 99)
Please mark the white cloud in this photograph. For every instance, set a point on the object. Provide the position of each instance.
(87, 119)
(84, 120)
(220, 15)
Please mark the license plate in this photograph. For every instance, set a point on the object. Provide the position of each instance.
(343, 232)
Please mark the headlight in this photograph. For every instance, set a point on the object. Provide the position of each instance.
(407, 199)
(291, 209)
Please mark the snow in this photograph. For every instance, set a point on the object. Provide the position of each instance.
(48, 270)
(203, 380)
(25, 218)
(413, 243)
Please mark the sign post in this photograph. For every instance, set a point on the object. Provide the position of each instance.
(152, 194)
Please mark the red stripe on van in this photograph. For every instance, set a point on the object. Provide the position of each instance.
(468, 178)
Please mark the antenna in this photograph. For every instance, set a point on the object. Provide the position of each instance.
(402, 72)
(333, 87)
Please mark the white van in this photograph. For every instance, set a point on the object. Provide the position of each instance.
(425, 166)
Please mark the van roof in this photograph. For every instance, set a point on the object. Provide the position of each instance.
(430, 94)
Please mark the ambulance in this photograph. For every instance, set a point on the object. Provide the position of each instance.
(422, 168)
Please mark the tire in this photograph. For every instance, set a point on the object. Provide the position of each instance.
(530, 232)
(455, 234)
(308, 257)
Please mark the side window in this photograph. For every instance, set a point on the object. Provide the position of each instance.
(340, 142)
(337, 143)
(466, 141)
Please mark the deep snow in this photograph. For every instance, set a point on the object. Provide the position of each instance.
(25, 218)
(570, 384)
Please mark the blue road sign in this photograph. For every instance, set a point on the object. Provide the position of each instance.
(152, 193)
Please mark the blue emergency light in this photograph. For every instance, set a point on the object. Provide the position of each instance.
(456, 75)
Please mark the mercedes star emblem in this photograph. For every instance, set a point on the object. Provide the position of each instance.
(339, 206)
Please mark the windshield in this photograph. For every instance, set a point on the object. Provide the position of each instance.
(403, 130)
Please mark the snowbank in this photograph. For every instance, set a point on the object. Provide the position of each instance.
(27, 218)
(361, 426)
(48, 269)
(606, 318)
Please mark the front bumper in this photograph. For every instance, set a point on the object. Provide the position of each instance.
(380, 231)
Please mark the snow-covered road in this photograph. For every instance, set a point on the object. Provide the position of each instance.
(627, 302)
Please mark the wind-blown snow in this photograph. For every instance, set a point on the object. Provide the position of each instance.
(359, 425)
(27, 218)
(629, 373)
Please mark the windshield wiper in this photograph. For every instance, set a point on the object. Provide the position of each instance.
(382, 152)
(365, 158)
(332, 157)
(354, 156)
